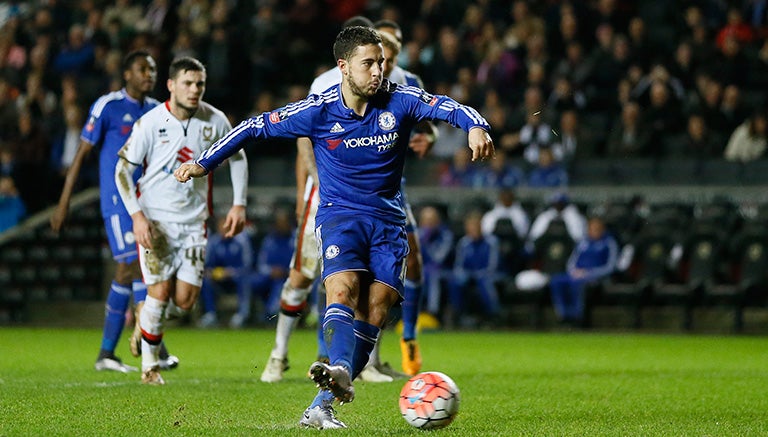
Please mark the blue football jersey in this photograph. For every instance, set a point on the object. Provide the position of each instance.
(359, 159)
(109, 125)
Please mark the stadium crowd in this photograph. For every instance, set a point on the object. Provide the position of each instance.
(559, 81)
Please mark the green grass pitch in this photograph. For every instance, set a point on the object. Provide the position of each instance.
(512, 383)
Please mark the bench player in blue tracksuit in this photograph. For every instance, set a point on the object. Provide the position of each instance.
(359, 131)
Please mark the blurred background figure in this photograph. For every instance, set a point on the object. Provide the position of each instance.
(475, 271)
(436, 242)
(593, 259)
(12, 209)
(228, 262)
(269, 272)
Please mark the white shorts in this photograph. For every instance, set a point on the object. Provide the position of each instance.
(178, 250)
(306, 255)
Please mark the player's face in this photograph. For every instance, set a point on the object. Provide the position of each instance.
(364, 70)
(187, 89)
(390, 59)
(142, 76)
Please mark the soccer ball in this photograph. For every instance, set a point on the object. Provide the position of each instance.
(429, 400)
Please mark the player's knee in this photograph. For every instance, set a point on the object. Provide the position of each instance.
(124, 274)
(298, 280)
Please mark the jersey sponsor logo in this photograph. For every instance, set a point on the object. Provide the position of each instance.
(332, 251)
(278, 116)
(387, 120)
(337, 128)
(185, 154)
(381, 142)
(125, 130)
(127, 118)
(428, 98)
(333, 144)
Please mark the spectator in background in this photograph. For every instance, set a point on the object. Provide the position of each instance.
(436, 242)
(748, 141)
(12, 209)
(76, 57)
(534, 137)
(548, 173)
(696, 143)
(640, 46)
(65, 148)
(730, 64)
(461, 172)
(507, 207)
(498, 69)
(710, 101)
(564, 98)
(572, 141)
(228, 264)
(732, 109)
(269, 274)
(8, 166)
(574, 65)
(499, 173)
(560, 208)
(32, 150)
(735, 28)
(8, 111)
(476, 264)
(593, 259)
(661, 117)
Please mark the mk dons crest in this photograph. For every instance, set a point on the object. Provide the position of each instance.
(207, 133)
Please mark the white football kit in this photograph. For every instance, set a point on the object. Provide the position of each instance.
(160, 143)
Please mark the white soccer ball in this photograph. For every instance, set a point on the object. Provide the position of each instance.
(429, 400)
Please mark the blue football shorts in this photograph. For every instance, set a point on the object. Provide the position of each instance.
(357, 242)
(119, 229)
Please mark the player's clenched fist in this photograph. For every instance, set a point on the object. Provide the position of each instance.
(188, 171)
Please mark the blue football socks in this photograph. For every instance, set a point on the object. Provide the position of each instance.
(117, 303)
(339, 334)
(410, 308)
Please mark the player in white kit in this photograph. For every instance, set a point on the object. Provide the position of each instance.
(169, 218)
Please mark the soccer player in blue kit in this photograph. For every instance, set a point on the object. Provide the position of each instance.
(109, 125)
(359, 131)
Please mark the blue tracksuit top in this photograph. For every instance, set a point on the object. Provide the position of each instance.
(598, 256)
(476, 256)
(359, 159)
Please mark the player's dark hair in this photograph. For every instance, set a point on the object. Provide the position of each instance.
(351, 38)
(381, 24)
(132, 57)
(185, 63)
(357, 20)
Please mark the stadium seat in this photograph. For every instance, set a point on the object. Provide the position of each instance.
(632, 289)
(749, 256)
(699, 271)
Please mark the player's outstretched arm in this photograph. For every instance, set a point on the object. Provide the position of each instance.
(188, 171)
(62, 209)
(480, 143)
